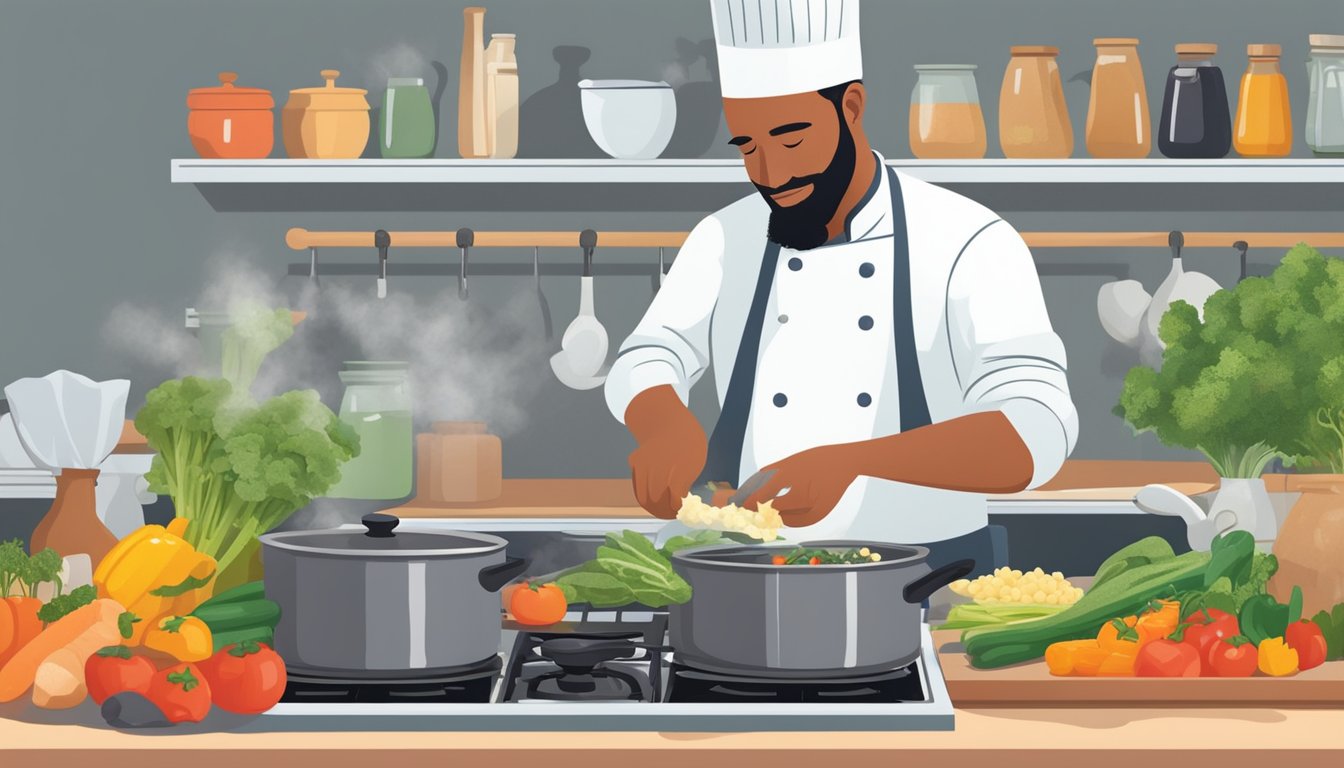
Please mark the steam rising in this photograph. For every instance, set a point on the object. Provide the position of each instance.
(468, 360)
(401, 60)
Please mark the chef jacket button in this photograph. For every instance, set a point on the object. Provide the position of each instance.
(795, 264)
(865, 399)
(780, 400)
(865, 323)
(866, 269)
(783, 318)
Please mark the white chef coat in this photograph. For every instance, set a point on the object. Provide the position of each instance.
(826, 370)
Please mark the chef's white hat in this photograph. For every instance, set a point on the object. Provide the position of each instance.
(781, 47)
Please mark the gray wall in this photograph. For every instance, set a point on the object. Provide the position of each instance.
(93, 109)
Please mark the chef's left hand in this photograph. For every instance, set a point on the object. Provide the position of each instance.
(815, 479)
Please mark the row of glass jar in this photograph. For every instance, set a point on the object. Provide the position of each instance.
(946, 120)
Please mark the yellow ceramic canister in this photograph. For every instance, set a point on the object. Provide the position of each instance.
(326, 123)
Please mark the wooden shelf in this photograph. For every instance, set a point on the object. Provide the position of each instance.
(730, 171)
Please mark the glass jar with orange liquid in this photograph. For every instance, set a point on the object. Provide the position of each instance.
(945, 117)
(1264, 126)
(1117, 112)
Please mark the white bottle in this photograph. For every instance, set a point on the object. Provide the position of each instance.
(501, 96)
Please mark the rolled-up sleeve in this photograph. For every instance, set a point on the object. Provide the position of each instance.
(1007, 356)
(670, 346)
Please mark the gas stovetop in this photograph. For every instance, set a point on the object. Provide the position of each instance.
(612, 671)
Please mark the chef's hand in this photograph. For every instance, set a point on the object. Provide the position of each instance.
(816, 479)
(671, 452)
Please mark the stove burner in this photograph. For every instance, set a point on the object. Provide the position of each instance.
(470, 684)
(595, 685)
(578, 655)
(690, 685)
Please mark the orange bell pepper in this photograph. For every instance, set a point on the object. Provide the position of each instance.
(1081, 658)
(1120, 663)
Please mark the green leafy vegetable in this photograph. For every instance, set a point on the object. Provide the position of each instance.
(599, 589)
(694, 539)
(236, 469)
(186, 585)
(1230, 558)
(1332, 626)
(20, 573)
(630, 569)
(60, 605)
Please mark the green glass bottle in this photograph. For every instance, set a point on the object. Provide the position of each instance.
(377, 404)
(406, 121)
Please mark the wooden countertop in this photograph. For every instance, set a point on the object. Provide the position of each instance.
(1079, 480)
(1002, 738)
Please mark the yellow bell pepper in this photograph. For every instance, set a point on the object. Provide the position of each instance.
(156, 574)
(1275, 657)
(185, 638)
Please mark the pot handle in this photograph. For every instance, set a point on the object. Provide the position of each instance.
(920, 589)
(494, 577)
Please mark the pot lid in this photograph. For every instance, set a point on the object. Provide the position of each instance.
(329, 96)
(226, 95)
(756, 557)
(380, 539)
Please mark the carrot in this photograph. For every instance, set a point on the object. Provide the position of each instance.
(26, 625)
(1062, 657)
(59, 681)
(6, 629)
(17, 675)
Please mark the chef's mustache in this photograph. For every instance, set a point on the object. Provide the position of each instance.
(791, 184)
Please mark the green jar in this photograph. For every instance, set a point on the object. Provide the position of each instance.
(377, 404)
(406, 121)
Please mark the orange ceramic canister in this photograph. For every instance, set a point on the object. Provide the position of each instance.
(227, 121)
(327, 122)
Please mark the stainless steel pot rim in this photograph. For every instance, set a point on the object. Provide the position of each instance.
(709, 557)
(281, 540)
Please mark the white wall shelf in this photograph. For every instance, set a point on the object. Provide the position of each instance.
(993, 171)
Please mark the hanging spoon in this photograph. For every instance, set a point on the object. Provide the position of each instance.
(465, 239)
(382, 240)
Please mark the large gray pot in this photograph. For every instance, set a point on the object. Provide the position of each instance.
(747, 616)
(385, 603)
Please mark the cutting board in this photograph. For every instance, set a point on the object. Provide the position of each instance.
(1032, 685)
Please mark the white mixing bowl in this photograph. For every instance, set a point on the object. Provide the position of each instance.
(629, 119)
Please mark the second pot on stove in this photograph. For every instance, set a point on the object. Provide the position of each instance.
(747, 616)
(382, 602)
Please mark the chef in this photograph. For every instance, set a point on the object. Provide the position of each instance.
(880, 343)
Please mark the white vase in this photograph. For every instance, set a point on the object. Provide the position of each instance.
(1238, 504)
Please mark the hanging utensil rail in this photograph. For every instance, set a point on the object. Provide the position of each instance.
(302, 239)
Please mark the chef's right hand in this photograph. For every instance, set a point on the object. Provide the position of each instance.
(671, 452)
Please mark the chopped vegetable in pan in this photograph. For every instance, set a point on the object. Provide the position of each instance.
(803, 556)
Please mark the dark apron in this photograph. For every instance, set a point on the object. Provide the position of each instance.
(723, 462)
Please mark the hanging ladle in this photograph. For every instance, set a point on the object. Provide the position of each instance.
(312, 268)
(581, 362)
(465, 239)
(1242, 247)
(382, 241)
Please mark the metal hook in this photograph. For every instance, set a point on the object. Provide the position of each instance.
(1243, 247)
(541, 295)
(588, 242)
(382, 241)
(465, 239)
(1177, 241)
(662, 267)
(312, 267)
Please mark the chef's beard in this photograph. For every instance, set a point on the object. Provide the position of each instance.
(802, 226)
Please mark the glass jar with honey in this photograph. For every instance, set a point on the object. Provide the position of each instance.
(1033, 118)
(1117, 112)
(945, 117)
(1264, 126)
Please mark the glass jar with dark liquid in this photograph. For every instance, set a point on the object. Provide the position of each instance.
(1196, 121)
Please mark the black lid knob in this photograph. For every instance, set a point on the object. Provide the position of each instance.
(380, 525)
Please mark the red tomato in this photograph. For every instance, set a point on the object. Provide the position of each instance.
(1232, 657)
(1208, 627)
(1167, 658)
(181, 692)
(114, 670)
(1306, 638)
(247, 678)
(538, 606)
(778, 560)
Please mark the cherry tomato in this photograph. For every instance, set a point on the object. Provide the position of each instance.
(1206, 628)
(1232, 657)
(814, 561)
(1167, 658)
(114, 670)
(779, 560)
(247, 678)
(181, 692)
(1306, 638)
(538, 606)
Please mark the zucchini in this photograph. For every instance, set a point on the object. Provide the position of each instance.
(253, 590)
(223, 640)
(230, 616)
(1123, 594)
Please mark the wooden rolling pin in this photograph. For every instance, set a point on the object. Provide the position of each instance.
(302, 239)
